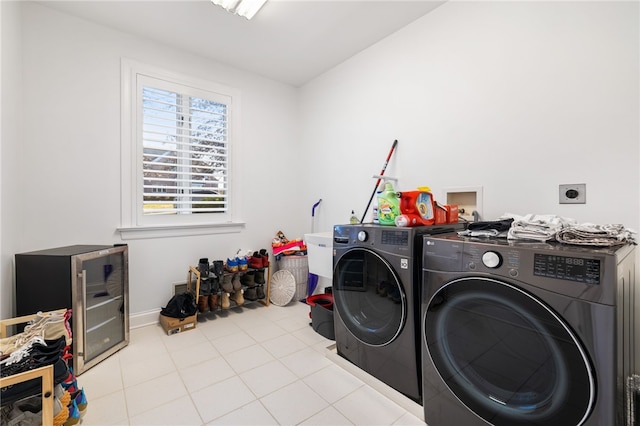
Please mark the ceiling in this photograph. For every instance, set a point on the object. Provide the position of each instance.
(291, 41)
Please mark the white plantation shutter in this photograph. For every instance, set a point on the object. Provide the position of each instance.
(185, 149)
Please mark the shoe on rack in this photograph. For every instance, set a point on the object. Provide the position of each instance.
(203, 304)
(255, 261)
(74, 414)
(232, 265)
(203, 267)
(213, 301)
(225, 304)
(20, 390)
(28, 412)
(248, 279)
(218, 268)
(258, 276)
(243, 265)
(80, 398)
(260, 292)
(251, 294)
(238, 298)
(49, 326)
(265, 257)
(236, 283)
(226, 283)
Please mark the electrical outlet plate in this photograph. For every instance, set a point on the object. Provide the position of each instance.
(573, 193)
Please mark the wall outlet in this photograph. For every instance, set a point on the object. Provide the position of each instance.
(573, 193)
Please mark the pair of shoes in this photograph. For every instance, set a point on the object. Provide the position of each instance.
(259, 260)
(231, 265)
(28, 412)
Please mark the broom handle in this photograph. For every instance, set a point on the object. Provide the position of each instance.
(375, 188)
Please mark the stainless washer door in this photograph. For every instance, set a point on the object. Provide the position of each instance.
(369, 297)
(507, 356)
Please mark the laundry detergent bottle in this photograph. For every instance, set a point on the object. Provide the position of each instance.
(388, 206)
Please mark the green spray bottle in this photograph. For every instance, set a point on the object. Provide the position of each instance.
(388, 206)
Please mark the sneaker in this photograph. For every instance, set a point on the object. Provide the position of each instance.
(238, 298)
(20, 390)
(62, 394)
(80, 398)
(225, 304)
(243, 265)
(232, 265)
(74, 414)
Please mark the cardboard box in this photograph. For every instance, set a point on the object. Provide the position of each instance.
(177, 325)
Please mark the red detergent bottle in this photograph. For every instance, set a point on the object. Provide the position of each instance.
(416, 208)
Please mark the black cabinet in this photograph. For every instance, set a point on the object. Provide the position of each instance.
(92, 281)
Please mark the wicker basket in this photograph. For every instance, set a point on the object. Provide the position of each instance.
(299, 267)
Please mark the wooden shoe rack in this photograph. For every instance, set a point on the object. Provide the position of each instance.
(44, 373)
(194, 272)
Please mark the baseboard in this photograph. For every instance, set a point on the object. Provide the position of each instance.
(143, 319)
(397, 397)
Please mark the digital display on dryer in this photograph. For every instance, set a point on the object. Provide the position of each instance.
(395, 238)
(567, 268)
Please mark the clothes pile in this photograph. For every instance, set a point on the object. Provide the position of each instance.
(545, 228)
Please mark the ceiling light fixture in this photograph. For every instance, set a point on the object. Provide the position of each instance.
(246, 8)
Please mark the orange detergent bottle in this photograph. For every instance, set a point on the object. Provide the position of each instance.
(416, 208)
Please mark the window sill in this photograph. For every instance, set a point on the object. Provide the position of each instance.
(143, 232)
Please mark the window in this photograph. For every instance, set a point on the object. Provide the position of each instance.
(178, 139)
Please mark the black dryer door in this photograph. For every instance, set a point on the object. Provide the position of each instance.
(506, 355)
(369, 297)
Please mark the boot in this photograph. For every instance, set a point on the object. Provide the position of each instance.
(213, 301)
(260, 292)
(226, 283)
(225, 304)
(251, 294)
(265, 257)
(203, 267)
(258, 276)
(248, 279)
(218, 268)
(237, 285)
(203, 304)
(238, 298)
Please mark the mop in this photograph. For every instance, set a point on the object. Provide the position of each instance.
(312, 281)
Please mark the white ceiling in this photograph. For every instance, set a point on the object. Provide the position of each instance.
(292, 41)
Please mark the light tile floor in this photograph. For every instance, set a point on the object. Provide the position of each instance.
(253, 365)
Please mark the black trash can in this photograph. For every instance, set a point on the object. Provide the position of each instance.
(322, 314)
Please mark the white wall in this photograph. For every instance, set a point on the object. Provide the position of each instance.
(10, 137)
(69, 172)
(516, 97)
